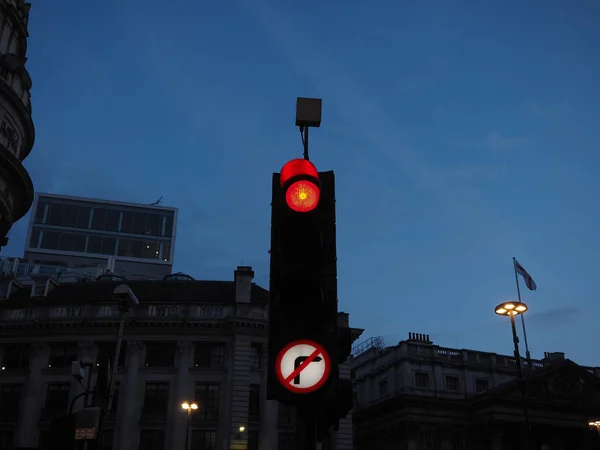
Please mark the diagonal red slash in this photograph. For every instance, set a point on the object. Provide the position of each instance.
(302, 366)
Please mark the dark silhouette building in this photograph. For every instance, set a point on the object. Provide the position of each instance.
(16, 126)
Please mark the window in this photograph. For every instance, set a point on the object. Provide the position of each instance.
(166, 251)
(10, 399)
(35, 238)
(285, 441)
(65, 242)
(209, 355)
(284, 414)
(255, 361)
(94, 244)
(252, 440)
(71, 213)
(57, 397)
(451, 383)
(83, 217)
(99, 219)
(153, 224)
(156, 401)
(207, 398)
(254, 403)
(160, 355)
(62, 355)
(152, 440)
(50, 240)
(106, 351)
(383, 388)
(16, 357)
(108, 246)
(39, 212)
(428, 442)
(169, 226)
(139, 223)
(481, 385)
(106, 439)
(204, 440)
(422, 380)
(112, 220)
(150, 250)
(56, 214)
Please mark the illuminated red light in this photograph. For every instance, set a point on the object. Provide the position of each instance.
(300, 178)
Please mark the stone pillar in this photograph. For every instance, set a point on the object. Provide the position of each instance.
(86, 353)
(34, 396)
(130, 400)
(181, 392)
(240, 391)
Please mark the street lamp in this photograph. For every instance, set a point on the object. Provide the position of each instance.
(512, 309)
(189, 407)
(595, 425)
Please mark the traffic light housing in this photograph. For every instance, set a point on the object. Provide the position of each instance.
(303, 275)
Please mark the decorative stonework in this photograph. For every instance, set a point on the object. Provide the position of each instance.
(184, 348)
(134, 347)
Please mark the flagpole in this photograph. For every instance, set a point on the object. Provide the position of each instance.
(527, 354)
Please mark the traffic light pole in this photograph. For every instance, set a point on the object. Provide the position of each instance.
(304, 133)
(306, 430)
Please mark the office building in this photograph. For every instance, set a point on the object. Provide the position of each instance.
(17, 133)
(131, 239)
(420, 396)
(187, 341)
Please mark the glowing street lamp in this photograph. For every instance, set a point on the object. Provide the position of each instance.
(189, 407)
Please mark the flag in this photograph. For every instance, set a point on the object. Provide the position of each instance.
(528, 280)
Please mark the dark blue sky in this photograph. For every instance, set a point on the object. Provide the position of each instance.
(461, 133)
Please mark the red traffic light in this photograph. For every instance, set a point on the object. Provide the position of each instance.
(300, 181)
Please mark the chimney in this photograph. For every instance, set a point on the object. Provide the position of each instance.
(554, 356)
(243, 276)
(343, 320)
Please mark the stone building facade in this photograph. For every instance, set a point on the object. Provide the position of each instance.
(420, 396)
(16, 126)
(187, 341)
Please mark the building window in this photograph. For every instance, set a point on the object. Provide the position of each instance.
(256, 355)
(422, 380)
(428, 442)
(481, 385)
(254, 403)
(285, 441)
(50, 240)
(62, 355)
(34, 241)
(16, 356)
(452, 383)
(71, 213)
(207, 399)
(156, 401)
(57, 398)
(383, 388)
(106, 439)
(10, 399)
(252, 440)
(112, 220)
(284, 414)
(40, 211)
(160, 355)
(83, 217)
(209, 355)
(204, 440)
(169, 226)
(70, 242)
(56, 214)
(106, 352)
(152, 439)
(101, 245)
(99, 219)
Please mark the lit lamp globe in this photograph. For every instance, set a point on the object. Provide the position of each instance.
(510, 308)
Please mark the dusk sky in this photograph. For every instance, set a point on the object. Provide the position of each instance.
(461, 134)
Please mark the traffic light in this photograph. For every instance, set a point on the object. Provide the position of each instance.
(303, 331)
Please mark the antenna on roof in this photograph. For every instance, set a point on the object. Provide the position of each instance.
(157, 202)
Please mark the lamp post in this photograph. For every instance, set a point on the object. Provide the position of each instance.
(512, 309)
(189, 407)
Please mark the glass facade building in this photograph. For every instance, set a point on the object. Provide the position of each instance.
(73, 231)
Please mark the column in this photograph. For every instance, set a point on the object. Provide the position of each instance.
(34, 396)
(181, 392)
(86, 352)
(130, 399)
(240, 391)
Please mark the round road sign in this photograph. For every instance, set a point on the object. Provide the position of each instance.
(303, 366)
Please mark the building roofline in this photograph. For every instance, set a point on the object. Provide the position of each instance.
(41, 195)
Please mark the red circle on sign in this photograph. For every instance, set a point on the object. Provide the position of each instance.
(321, 351)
